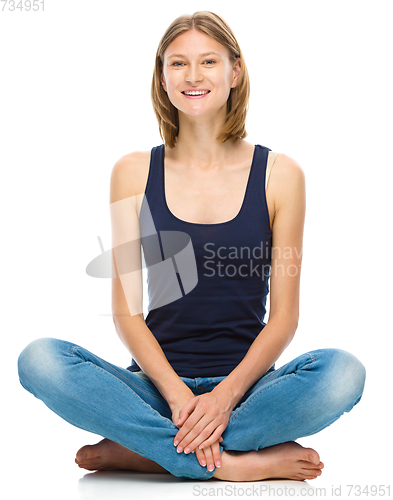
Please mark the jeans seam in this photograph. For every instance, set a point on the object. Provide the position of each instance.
(269, 375)
(306, 366)
(197, 387)
(207, 473)
(236, 413)
(125, 385)
(312, 358)
(111, 366)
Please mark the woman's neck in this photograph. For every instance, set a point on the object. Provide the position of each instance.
(197, 146)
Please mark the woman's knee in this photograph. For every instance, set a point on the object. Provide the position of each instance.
(345, 377)
(37, 363)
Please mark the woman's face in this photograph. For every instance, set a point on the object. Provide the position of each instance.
(194, 61)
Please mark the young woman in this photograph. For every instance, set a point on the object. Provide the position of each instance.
(216, 217)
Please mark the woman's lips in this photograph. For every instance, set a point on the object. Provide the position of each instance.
(196, 96)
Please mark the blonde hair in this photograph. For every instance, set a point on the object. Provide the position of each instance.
(237, 105)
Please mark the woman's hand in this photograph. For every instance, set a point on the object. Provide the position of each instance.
(202, 420)
(178, 405)
(209, 455)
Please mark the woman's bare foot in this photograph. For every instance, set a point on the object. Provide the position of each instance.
(108, 455)
(282, 461)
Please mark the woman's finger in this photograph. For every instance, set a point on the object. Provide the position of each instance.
(202, 435)
(203, 459)
(190, 430)
(213, 437)
(216, 453)
(186, 411)
(200, 454)
(197, 435)
(187, 424)
(209, 458)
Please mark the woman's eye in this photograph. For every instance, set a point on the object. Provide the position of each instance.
(178, 64)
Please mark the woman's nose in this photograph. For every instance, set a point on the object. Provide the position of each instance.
(193, 74)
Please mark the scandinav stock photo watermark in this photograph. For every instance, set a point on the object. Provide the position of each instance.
(22, 6)
(247, 261)
(292, 490)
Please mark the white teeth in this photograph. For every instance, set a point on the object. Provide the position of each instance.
(197, 92)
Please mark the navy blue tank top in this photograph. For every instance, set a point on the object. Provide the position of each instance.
(207, 283)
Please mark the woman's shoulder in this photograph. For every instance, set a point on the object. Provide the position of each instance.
(287, 179)
(129, 174)
(284, 165)
(286, 168)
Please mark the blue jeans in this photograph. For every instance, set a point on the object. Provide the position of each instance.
(299, 399)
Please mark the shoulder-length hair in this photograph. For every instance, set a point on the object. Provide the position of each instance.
(237, 105)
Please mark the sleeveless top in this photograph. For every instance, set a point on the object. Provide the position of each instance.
(207, 283)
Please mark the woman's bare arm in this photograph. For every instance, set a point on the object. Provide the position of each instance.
(127, 286)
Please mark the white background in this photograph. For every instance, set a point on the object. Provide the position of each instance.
(75, 97)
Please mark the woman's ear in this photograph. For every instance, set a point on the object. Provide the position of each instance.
(236, 73)
(162, 79)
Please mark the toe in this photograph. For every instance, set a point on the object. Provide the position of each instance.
(309, 475)
(308, 465)
(311, 456)
(81, 453)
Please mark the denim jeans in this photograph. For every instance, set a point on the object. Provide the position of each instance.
(296, 400)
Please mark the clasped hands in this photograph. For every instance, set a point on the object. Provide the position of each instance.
(201, 421)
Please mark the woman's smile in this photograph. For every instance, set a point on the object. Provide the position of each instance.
(195, 93)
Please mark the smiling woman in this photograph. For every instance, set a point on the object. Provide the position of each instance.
(205, 36)
(203, 374)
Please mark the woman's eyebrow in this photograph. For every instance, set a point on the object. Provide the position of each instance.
(200, 55)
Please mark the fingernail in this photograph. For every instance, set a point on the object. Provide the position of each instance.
(175, 443)
(211, 467)
(218, 463)
(203, 463)
(80, 457)
(187, 450)
(178, 422)
(179, 449)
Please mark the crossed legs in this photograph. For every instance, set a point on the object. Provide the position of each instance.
(297, 400)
